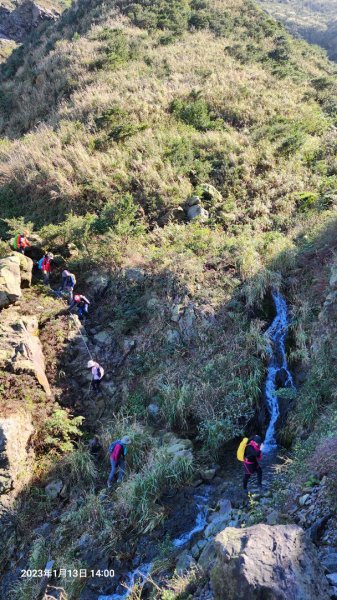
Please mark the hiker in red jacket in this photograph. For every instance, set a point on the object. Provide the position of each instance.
(46, 267)
(117, 452)
(251, 463)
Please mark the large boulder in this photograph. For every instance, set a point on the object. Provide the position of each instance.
(267, 563)
(10, 280)
(187, 323)
(54, 488)
(97, 283)
(197, 212)
(20, 347)
(26, 270)
(15, 273)
(15, 433)
(210, 193)
(178, 446)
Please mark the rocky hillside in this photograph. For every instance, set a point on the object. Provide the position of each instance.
(21, 19)
(315, 21)
(180, 158)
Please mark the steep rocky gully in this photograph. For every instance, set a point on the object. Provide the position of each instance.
(239, 547)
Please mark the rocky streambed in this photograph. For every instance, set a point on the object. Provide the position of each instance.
(239, 545)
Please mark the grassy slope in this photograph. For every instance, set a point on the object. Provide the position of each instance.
(315, 21)
(124, 118)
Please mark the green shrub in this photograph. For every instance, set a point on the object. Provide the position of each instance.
(120, 215)
(281, 51)
(79, 468)
(138, 495)
(115, 48)
(59, 431)
(306, 200)
(117, 126)
(195, 112)
(214, 432)
(17, 224)
(136, 405)
(176, 404)
(172, 15)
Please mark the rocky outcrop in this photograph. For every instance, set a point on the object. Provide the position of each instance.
(15, 433)
(265, 562)
(10, 282)
(26, 270)
(197, 212)
(98, 283)
(191, 320)
(20, 347)
(16, 24)
(15, 273)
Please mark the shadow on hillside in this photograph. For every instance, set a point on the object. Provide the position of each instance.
(134, 314)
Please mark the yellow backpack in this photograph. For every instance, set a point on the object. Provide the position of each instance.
(240, 455)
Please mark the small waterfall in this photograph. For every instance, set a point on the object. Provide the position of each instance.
(138, 575)
(200, 522)
(141, 573)
(277, 363)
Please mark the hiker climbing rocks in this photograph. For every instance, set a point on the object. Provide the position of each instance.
(68, 283)
(40, 261)
(117, 453)
(46, 267)
(97, 373)
(20, 242)
(251, 461)
(82, 304)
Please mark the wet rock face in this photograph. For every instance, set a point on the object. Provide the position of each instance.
(263, 562)
(16, 24)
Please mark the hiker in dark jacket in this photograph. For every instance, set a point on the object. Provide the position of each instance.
(252, 459)
(117, 452)
(82, 304)
(68, 283)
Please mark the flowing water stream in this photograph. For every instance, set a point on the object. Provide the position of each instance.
(140, 575)
(277, 366)
(201, 502)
